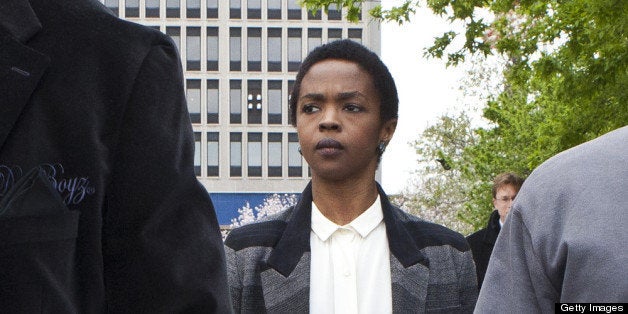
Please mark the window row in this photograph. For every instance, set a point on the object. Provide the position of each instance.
(238, 9)
(253, 49)
(162, 8)
(274, 11)
(245, 101)
(252, 154)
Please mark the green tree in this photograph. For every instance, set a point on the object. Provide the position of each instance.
(438, 193)
(564, 81)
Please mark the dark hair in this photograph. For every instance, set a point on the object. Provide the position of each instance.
(507, 178)
(352, 51)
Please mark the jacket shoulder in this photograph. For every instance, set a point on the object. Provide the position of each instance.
(476, 236)
(428, 234)
(264, 233)
(89, 25)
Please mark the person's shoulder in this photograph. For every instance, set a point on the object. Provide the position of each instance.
(602, 158)
(263, 233)
(492, 227)
(90, 23)
(602, 151)
(476, 236)
(429, 234)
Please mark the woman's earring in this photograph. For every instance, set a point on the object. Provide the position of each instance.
(299, 149)
(381, 147)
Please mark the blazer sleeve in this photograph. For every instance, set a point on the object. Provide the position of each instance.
(235, 282)
(467, 281)
(162, 248)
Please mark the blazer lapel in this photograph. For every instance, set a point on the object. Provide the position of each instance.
(21, 67)
(286, 279)
(409, 268)
(18, 19)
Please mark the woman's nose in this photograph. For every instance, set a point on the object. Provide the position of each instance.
(329, 121)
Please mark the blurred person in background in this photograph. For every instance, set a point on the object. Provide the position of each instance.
(505, 188)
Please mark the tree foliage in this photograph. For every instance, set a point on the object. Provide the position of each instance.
(438, 191)
(564, 82)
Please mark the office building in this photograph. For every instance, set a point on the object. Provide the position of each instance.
(240, 58)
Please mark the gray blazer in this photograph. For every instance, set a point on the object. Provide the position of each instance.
(268, 263)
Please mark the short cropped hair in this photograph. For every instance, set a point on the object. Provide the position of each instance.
(352, 51)
(507, 178)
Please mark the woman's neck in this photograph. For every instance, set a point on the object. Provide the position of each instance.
(342, 202)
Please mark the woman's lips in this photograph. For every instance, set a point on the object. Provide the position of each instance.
(328, 147)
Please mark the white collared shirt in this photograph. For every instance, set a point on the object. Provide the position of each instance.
(350, 265)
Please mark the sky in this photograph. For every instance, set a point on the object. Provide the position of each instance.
(427, 89)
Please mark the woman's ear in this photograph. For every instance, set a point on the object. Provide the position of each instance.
(387, 130)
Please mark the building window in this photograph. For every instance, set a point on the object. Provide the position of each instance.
(193, 95)
(254, 49)
(235, 101)
(274, 49)
(334, 13)
(274, 9)
(172, 8)
(152, 8)
(175, 34)
(274, 102)
(213, 154)
(294, 157)
(132, 8)
(254, 154)
(235, 9)
(197, 154)
(212, 9)
(254, 102)
(113, 6)
(290, 88)
(294, 10)
(355, 34)
(212, 49)
(193, 9)
(314, 38)
(316, 15)
(235, 154)
(254, 9)
(334, 34)
(193, 49)
(235, 49)
(274, 154)
(213, 99)
(294, 49)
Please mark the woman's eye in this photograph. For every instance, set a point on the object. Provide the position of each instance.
(352, 108)
(309, 108)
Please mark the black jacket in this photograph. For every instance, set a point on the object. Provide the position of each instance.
(92, 112)
(482, 243)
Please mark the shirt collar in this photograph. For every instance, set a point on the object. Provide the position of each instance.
(363, 224)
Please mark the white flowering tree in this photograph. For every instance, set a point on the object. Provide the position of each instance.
(271, 205)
